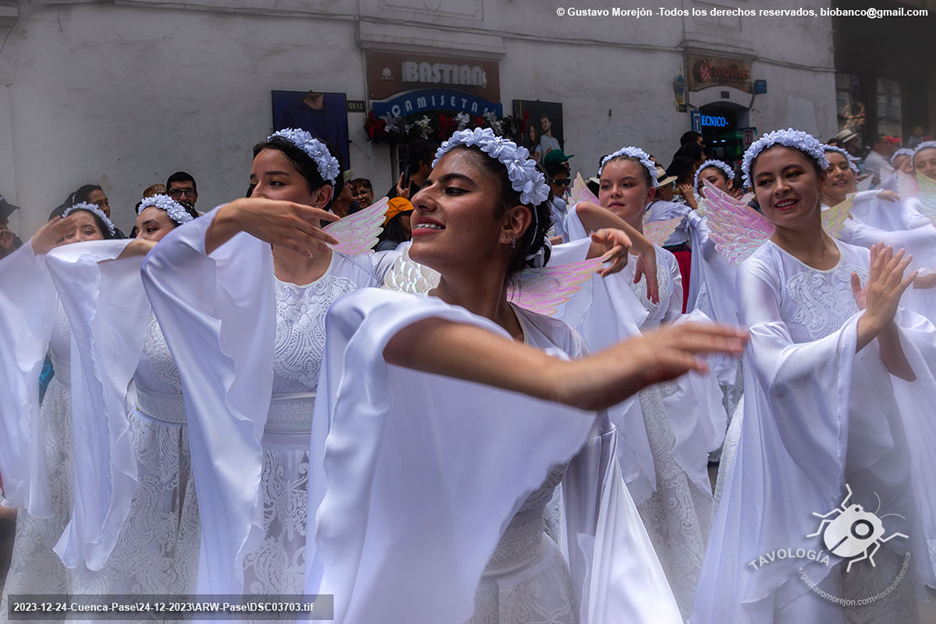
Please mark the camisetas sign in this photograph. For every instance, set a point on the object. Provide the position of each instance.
(426, 100)
(712, 71)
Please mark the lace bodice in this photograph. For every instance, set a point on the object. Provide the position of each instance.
(667, 268)
(60, 343)
(157, 369)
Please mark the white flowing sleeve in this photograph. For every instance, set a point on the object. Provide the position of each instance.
(27, 304)
(791, 459)
(218, 315)
(674, 305)
(108, 310)
(414, 477)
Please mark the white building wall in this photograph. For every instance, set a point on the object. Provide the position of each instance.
(123, 95)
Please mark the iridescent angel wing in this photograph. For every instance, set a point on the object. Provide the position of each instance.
(907, 185)
(834, 218)
(659, 231)
(357, 233)
(407, 275)
(580, 192)
(927, 196)
(865, 185)
(544, 290)
(736, 228)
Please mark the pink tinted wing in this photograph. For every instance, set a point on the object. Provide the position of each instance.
(907, 185)
(357, 233)
(580, 192)
(736, 228)
(865, 185)
(544, 290)
(659, 231)
(927, 196)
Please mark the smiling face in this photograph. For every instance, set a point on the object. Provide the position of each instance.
(153, 223)
(85, 228)
(787, 187)
(624, 190)
(273, 176)
(924, 162)
(840, 179)
(100, 199)
(454, 222)
(716, 177)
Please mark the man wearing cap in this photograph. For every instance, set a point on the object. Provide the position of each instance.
(877, 162)
(9, 242)
(556, 165)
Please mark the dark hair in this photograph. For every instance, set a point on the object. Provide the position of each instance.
(693, 150)
(304, 164)
(554, 168)
(720, 171)
(105, 233)
(815, 163)
(683, 167)
(181, 176)
(421, 151)
(535, 237)
(58, 210)
(645, 173)
(185, 206)
(362, 182)
(83, 193)
(689, 137)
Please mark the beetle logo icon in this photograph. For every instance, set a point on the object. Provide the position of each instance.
(853, 533)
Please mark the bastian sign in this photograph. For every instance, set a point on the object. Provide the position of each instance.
(713, 71)
(405, 84)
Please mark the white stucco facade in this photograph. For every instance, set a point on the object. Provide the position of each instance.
(123, 94)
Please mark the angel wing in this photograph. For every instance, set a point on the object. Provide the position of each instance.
(659, 231)
(736, 228)
(407, 275)
(907, 185)
(544, 290)
(865, 185)
(927, 196)
(834, 218)
(580, 192)
(357, 233)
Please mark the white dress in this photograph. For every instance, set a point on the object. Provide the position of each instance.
(135, 527)
(39, 478)
(431, 493)
(818, 416)
(680, 422)
(249, 348)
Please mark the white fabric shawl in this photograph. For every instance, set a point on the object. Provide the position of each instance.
(413, 478)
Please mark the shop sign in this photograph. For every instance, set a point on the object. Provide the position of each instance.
(390, 74)
(710, 71)
(425, 100)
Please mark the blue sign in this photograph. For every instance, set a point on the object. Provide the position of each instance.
(714, 121)
(425, 100)
(760, 86)
(697, 121)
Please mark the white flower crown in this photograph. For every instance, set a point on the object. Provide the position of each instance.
(93, 209)
(919, 148)
(718, 164)
(796, 139)
(839, 150)
(521, 169)
(903, 151)
(327, 164)
(173, 208)
(632, 152)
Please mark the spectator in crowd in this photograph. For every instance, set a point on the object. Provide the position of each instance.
(363, 192)
(397, 228)
(154, 189)
(877, 162)
(683, 168)
(847, 139)
(9, 242)
(181, 186)
(343, 203)
(557, 175)
(92, 194)
(421, 154)
(689, 138)
(917, 136)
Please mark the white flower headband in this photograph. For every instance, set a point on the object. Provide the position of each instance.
(839, 150)
(521, 169)
(919, 148)
(796, 139)
(93, 209)
(718, 164)
(632, 152)
(903, 151)
(173, 208)
(327, 164)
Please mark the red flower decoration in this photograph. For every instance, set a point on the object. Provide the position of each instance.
(375, 127)
(447, 126)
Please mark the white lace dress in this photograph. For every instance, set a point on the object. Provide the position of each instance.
(35, 568)
(818, 416)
